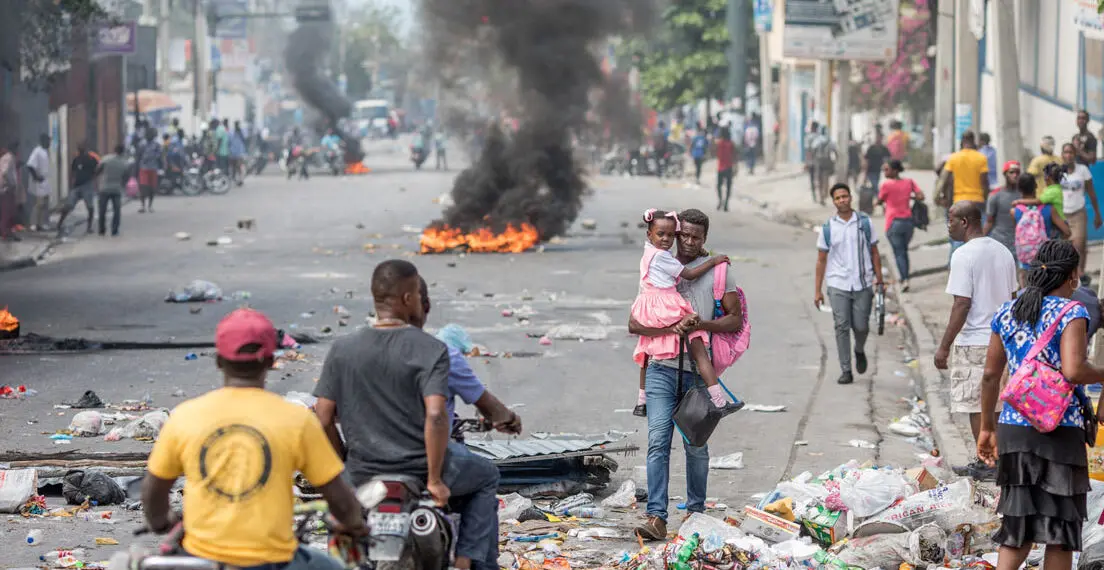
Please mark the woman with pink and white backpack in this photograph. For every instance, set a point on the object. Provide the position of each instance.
(1038, 441)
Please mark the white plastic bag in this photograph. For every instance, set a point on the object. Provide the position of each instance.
(946, 506)
(511, 506)
(624, 498)
(731, 461)
(147, 426)
(87, 424)
(16, 486)
(705, 526)
(873, 491)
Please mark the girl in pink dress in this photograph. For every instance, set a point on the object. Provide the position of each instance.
(659, 305)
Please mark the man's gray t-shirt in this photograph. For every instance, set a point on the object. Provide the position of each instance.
(700, 295)
(997, 208)
(114, 174)
(379, 378)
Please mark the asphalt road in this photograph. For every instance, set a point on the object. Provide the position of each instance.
(315, 241)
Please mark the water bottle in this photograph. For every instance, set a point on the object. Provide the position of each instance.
(587, 512)
(34, 537)
(53, 555)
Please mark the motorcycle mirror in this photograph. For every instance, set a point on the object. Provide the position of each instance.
(371, 494)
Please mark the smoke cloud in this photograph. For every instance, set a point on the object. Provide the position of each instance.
(305, 58)
(536, 62)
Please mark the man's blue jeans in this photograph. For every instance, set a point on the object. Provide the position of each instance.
(473, 482)
(660, 387)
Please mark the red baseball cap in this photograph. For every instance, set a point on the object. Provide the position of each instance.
(1010, 165)
(241, 328)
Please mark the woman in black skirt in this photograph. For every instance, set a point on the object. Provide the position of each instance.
(1043, 477)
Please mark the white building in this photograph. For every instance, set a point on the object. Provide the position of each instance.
(1061, 55)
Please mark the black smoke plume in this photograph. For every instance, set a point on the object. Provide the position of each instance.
(539, 62)
(305, 58)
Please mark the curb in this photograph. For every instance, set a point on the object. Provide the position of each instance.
(33, 259)
(945, 430)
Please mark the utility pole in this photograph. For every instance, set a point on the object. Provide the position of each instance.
(841, 122)
(737, 21)
(164, 18)
(1009, 139)
(766, 100)
(966, 68)
(201, 52)
(943, 142)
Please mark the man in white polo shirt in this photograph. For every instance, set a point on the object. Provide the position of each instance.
(848, 258)
(982, 278)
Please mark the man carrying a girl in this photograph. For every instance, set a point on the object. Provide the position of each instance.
(661, 374)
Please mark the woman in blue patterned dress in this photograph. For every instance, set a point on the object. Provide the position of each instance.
(1043, 477)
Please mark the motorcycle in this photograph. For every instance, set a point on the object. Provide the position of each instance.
(418, 156)
(335, 161)
(204, 176)
(169, 181)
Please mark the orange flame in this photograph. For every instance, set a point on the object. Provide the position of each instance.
(357, 168)
(8, 322)
(514, 239)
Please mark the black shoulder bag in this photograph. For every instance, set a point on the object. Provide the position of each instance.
(695, 416)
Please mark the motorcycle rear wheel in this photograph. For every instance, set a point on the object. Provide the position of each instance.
(191, 185)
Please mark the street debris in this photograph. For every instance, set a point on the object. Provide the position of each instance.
(16, 486)
(101, 541)
(16, 392)
(589, 224)
(731, 461)
(765, 408)
(577, 331)
(889, 521)
(145, 428)
(183, 236)
(198, 291)
(79, 486)
(861, 444)
(544, 341)
(246, 224)
(624, 498)
(87, 424)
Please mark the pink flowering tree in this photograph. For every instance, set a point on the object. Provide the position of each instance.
(881, 86)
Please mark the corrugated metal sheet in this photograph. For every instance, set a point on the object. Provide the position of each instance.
(507, 449)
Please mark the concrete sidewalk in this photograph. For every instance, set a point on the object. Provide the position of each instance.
(924, 310)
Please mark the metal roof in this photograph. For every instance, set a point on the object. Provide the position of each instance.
(497, 450)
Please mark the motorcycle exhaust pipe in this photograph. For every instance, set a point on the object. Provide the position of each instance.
(424, 522)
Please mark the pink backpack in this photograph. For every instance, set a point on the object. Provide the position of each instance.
(1037, 390)
(1030, 233)
(727, 348)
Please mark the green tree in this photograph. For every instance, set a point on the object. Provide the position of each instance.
(38, 36)
(373, 47)
(685, 61)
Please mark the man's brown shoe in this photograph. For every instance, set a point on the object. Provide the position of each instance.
(653, 529)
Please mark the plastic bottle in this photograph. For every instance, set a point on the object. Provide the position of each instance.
(685, 553)
(59, 554)
(587, 512)
(828, 561)
(35, 536)
(190, 356)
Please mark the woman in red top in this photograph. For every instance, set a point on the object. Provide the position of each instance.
(896, 194)
(726, 168)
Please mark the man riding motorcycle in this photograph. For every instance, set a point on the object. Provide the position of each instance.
(331, 144)
(464, 384)
(238, 448)
(388, 386)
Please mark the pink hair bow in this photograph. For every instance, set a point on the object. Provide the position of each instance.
(649, 216)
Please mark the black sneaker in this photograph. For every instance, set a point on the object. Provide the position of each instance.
(977, 470)
(845, 378)
(641, 411)
(860, 362)
(731, 408)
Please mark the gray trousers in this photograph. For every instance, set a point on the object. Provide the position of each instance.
(850, 312)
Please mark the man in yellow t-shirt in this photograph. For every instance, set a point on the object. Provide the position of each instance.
(238, 448)
(967, 173)
(1046, 156)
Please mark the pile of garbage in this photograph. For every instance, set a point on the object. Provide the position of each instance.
(851, 517)
(854, 516)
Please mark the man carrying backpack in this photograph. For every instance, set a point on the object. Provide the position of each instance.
(848, 258)
(982, 278)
